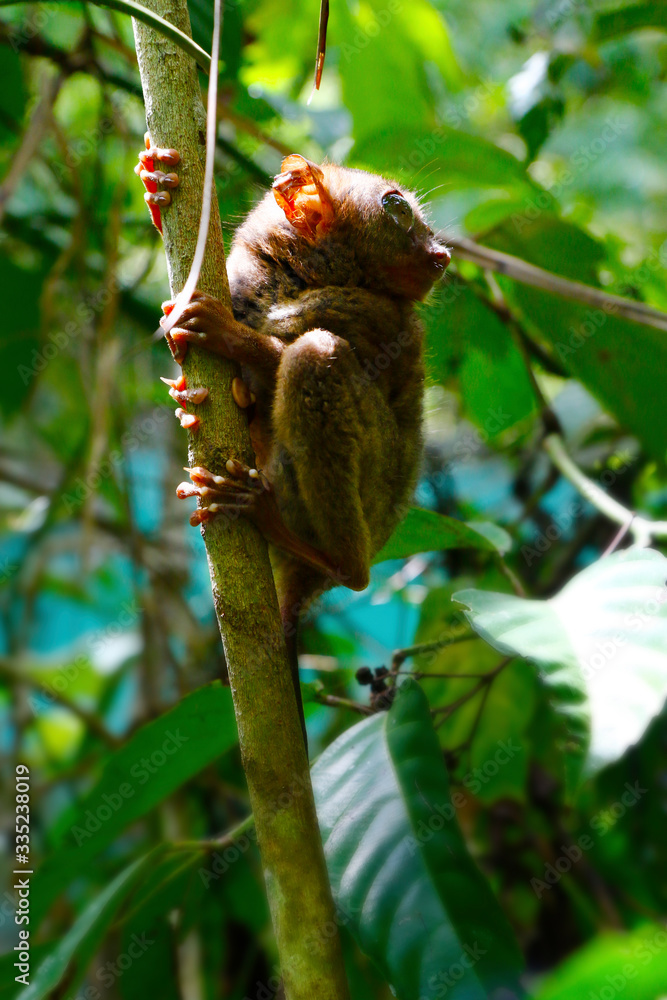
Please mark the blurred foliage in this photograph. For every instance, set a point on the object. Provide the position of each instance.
(537, 128)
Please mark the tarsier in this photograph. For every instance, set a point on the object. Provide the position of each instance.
(324, 275)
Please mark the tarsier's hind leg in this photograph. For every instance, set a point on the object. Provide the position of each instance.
(326, 422)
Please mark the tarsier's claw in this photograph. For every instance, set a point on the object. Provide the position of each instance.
(151, 178)
(189, 421)
(182, 394)
(159, 177)
(160, 199)
(175, 383)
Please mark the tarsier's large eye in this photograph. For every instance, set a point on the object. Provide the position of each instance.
(398, 208)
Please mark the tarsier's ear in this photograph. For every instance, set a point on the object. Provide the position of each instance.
(300, 192)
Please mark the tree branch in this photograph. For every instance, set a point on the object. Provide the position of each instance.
(537, 277)
(270, 736)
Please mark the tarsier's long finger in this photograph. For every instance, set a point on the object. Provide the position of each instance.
(189, 421)
(151, 178)
(182, 394)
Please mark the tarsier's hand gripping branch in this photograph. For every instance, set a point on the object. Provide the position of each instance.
(324, 275)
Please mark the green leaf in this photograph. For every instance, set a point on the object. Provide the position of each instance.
(166, 887)
(155, 761)
(613, 964)
(631, 17)
(600, 644)
(609, 356)
(74, 951)
(384, 41)
(401, 876)
(425, 531)
(451, 155)
(496, 763)
(467, 338)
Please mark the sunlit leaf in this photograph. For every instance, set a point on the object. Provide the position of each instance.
(634, 963)
(600, 645)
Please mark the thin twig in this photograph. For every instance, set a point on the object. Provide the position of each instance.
(487, 679)
(537, 277)
(33, 135)
(401, 655)
(334, 701)
(642, 529)
(214, 843)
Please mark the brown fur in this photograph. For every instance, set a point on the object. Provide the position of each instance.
(337, 425)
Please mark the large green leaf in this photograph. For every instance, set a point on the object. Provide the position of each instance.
(74, 951)
(601, 645)
(158, 759)
(425, 531)
(402, 878)
(632, 965)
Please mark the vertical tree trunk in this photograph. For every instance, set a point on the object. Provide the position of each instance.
(272, 747)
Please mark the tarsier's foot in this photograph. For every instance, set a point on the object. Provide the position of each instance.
(154, 179)
(247, 492)
(242, 491)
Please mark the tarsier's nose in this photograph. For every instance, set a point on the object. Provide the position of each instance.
(442, 256)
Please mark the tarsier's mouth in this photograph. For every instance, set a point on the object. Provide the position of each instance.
(414, 279)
